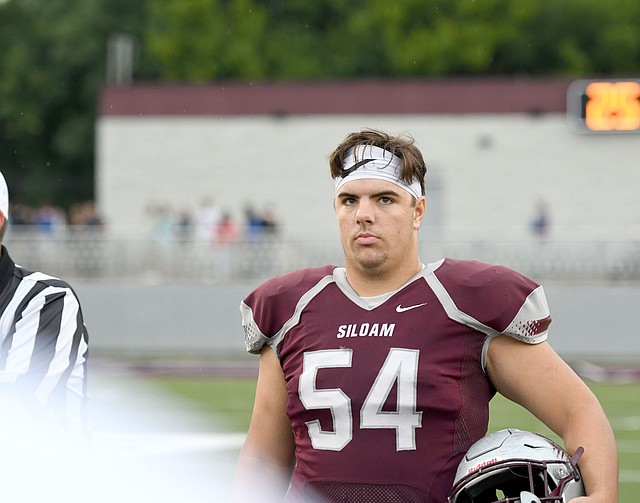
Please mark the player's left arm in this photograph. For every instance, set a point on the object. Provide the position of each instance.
(534, 376)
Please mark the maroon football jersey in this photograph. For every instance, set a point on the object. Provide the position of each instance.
(386, 394)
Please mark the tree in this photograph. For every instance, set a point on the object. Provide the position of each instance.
(201, 40)
(51, 69)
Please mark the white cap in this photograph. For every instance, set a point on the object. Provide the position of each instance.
(4, 197)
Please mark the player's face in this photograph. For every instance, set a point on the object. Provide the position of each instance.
(378, 224)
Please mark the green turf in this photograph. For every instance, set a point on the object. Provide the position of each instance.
(229, 403)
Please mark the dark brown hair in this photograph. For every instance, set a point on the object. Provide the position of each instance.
(403, 146)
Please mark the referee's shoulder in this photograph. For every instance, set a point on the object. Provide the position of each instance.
(38, 277)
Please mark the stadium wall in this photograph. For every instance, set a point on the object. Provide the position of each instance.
(494, 150)
(589, 322)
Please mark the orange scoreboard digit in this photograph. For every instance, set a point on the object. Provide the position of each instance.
(611, 106)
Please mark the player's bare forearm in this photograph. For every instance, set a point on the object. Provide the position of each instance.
(536, 378)
(599, 463)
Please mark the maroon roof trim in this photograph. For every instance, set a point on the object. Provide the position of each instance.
(456, 96)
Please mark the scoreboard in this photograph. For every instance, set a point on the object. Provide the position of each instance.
(604, 106)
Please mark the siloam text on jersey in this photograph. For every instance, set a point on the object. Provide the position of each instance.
(366, 330)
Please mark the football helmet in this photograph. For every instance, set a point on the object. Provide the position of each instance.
(515, 466)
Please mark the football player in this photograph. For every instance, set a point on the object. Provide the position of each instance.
(375, 377)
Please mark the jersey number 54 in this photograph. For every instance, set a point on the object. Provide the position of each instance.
(400, 368)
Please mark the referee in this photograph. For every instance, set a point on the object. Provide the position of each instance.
(43, 348)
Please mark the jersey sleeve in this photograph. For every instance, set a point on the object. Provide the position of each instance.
(254, 339)
(531, 323)
(494, 299)
(264, 312)
(267, 309)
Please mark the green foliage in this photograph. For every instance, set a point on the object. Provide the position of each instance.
(51, 68)
(200, 40)
(53, 57)
(276, 40)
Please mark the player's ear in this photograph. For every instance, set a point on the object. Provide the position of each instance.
(419, 211)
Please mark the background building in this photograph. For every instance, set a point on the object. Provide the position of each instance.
(496, 149)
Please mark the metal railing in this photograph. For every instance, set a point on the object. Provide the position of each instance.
(93, 256)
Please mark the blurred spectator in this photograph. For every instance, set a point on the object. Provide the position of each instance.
(162, 223)
(206, 220)
(84, 214)
(259, 226)
(184, 226)
(253, 223)
(269, 222)
(91, 216)
(540, 222)
(50, 219)
(228, 230)
(21, 214)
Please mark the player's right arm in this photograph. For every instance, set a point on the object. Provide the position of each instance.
(267, 458)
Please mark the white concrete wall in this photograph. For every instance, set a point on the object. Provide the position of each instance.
(591, 322)
(486, 173)
(489, 171)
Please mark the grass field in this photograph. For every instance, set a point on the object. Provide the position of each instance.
(227, 403)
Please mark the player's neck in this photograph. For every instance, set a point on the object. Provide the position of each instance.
(369, 283)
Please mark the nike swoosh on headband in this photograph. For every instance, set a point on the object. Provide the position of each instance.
(347, 172)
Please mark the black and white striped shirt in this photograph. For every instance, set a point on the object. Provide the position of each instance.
(44, 345)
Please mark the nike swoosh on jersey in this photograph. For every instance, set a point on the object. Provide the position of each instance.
(400, 309)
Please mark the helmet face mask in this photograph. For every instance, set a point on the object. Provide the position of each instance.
(512, 466)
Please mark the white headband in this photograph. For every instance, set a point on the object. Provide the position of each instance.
(369, 161)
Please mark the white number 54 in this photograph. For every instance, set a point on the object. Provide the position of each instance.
(400, 367)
